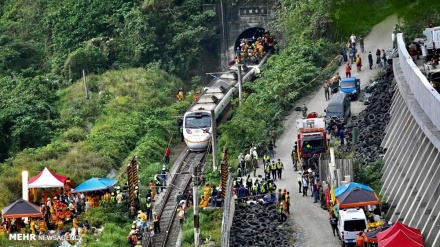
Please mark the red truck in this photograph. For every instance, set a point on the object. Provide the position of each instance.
(312, 136)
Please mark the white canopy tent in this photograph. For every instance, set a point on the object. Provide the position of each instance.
(47, 179)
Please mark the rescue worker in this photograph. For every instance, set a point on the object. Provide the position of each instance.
(304, 110)
(119, 198)
(42, 226)
(287, 202)
(180, 94)
(360, 240)
(106, 196)
(60, 225)
(143, 218)
(75, 224)
(152, 189)
(254, 189)
(149, 209)
(204, 202)
(249, 183)
(280, 168)
(266, 160)
(181, 215)
(334, 224)
(267, 171)
(32, 226)
(281, 213)
(273, 168)
(156, 222)
(294, 156)
(112, 197)
(158, 184)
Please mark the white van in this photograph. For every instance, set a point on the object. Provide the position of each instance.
(351, 222)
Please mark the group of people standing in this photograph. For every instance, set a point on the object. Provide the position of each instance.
(355, 57)
(331, 86)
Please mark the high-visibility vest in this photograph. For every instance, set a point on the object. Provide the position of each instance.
(286, 198)
(156, 219)
(254, 188)
(149, 205)
(249, 180)
(273, 167)
(266, 158)
(262, 189)
(239, 179)
(281, 210)
(42, 225)
(280, 165)
(267, 168)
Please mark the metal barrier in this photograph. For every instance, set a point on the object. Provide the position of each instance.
(425, 94)
(228, 211)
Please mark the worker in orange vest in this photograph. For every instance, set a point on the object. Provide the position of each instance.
(360, 240)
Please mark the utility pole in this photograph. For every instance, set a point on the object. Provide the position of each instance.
(239, 83)
(85, 85)
(196, 207)
(214, 141)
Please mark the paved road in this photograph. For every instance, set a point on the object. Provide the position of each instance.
(310, 221)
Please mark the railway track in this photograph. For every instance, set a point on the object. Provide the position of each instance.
(169, 224)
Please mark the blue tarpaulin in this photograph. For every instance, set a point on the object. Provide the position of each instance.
(347, 187)
(95, 184)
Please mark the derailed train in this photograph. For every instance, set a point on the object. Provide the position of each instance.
(216, 97)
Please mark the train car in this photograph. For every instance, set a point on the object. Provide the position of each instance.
(197, 121)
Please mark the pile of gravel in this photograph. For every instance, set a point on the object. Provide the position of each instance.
(372, 121)
(257, 225)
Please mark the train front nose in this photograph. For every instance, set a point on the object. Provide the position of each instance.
(197, 139)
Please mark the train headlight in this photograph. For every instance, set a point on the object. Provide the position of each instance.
(189, 131)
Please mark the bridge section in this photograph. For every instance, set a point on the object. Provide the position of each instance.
(242, 20)
(411, 175)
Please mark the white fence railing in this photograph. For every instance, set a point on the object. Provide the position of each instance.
(426, 95)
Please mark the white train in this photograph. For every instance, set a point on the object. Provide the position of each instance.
(197, 125)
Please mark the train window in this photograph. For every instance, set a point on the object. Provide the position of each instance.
(198, 121)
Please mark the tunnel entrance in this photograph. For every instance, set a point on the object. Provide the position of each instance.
(251, 33)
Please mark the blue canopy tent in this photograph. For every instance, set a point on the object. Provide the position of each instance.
(347, 187)
(95, 184)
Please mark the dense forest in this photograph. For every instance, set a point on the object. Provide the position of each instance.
(135, 55)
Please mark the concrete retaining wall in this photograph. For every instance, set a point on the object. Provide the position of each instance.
(411, 175)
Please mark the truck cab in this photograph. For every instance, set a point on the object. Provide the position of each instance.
(351, 222)
(312, 137)
(351, 86)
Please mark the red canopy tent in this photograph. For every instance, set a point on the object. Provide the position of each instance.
(47, 179)
(412, 232)
(401, 238)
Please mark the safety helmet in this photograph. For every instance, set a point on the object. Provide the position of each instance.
(154, 213)
(140, 211)
(48, 198)
(178, 209)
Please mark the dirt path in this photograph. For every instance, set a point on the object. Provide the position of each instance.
(310, 221)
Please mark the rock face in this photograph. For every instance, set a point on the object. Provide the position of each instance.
(372, 121)
(257, 225)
